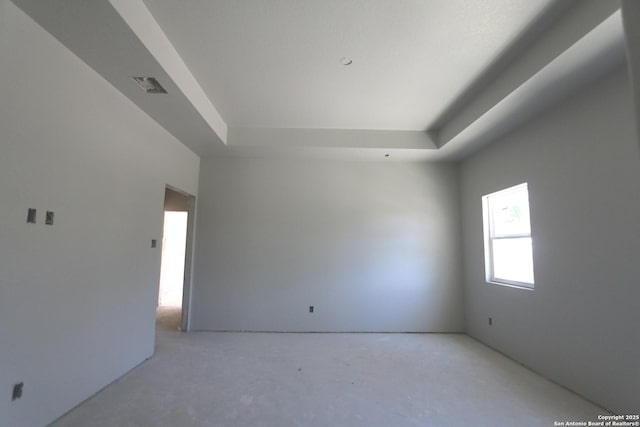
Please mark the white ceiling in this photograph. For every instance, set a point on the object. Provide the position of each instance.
(275, 64)
(430, 79)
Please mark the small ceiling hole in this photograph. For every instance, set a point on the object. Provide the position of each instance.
(346, 61)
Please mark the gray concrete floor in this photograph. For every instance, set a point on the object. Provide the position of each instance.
(270, 379)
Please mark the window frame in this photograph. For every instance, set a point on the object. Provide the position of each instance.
(488, 229)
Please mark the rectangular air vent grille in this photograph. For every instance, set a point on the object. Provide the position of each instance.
(149, 85)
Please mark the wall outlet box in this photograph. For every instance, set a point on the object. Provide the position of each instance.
(48, 220)
(17, 391)
(31, 216)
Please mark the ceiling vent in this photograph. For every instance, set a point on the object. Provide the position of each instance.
(149, 85)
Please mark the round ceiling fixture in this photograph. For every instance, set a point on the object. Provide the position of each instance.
(346, 61)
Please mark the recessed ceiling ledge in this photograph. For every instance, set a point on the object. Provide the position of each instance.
(142, 23)
(599, 52)
(570, 27)
(331, 138)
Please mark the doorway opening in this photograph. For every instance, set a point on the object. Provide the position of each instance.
(172, 313)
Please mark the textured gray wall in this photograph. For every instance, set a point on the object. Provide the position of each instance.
(580, 325)
(631, 17)
(372, 246)
(77, 298)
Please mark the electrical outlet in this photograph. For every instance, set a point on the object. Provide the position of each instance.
(154, 243)
(310, 309)
(17, 391)
(490, 321)
(48, 220)
(31, 216)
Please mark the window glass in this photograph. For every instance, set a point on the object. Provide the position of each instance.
(508, 241)
(510, 213)
(513, 260)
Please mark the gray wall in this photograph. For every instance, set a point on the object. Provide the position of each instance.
(77, 298)
(580, 325)
(372, 246)
(631, 17)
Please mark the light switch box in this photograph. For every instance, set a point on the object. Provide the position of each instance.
(48, 220)
(31, 216)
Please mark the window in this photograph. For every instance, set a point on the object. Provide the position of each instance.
(508, 243)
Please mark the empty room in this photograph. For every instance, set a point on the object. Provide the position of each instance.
(319, 213)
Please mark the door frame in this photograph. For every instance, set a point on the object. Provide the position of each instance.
(185, 322)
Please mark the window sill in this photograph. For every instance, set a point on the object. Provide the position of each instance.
(512, 285)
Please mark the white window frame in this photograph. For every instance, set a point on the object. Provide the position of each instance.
(488, 239)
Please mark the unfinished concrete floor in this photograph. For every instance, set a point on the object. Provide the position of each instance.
(271, 379)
